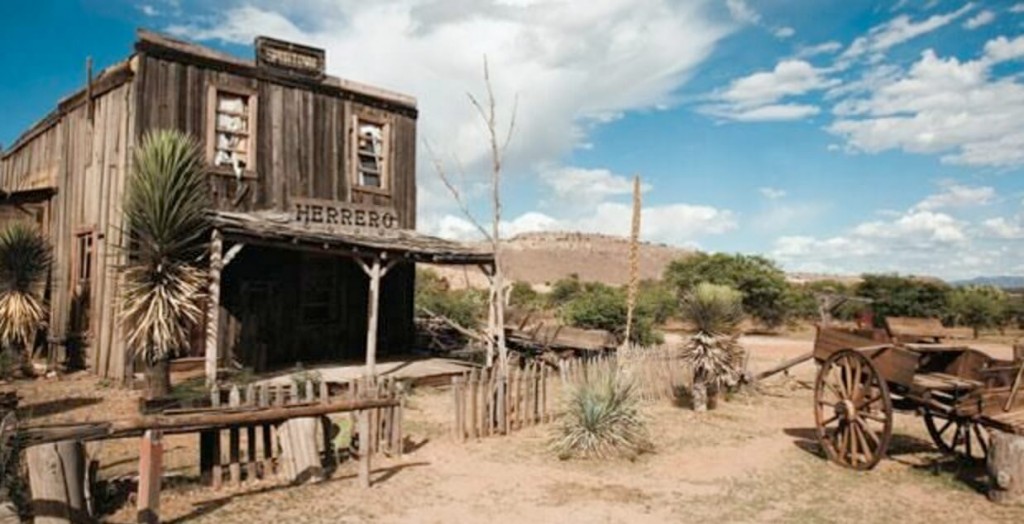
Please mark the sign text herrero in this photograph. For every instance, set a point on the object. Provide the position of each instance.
(308, 211)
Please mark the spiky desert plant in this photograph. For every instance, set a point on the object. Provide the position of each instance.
(602, 418)
(712, 352)
(164, 285)
(24, 260)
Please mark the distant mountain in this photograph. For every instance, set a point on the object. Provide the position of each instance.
(1005, 282)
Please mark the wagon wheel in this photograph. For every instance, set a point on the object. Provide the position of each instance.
(957, 435)
(852, 410)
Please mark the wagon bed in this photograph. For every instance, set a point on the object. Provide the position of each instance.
(866, 375)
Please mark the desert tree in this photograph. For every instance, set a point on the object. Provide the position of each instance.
(164, 283)
(498, 145)
(712, 352)
(24, 261)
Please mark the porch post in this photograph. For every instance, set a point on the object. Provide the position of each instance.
(371, 329)
(213, 307)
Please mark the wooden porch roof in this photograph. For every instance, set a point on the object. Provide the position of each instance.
(276, 228)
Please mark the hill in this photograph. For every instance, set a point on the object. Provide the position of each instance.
(1005, 282)
(542, 258)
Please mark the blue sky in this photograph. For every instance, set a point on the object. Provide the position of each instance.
(834, 136)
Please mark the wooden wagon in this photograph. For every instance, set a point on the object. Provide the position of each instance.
(864, 377)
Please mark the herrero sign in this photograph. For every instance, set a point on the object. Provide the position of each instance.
(331, 214)
(290, 59)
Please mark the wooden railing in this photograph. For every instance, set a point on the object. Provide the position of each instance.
(256, 451)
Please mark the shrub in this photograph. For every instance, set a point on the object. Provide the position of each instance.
(978, 306)
(523, 296)
(602, 418)
(467, 307)
(712, 352)
(899, 296)
(761, 282)
(599, 306)
(565, 289)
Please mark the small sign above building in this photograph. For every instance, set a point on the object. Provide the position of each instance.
(290, 59)
(331, 214)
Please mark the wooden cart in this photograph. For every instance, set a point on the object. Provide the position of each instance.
(865, 377)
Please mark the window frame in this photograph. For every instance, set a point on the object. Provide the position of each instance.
(385, 157)
(252, 95)
(89, 235)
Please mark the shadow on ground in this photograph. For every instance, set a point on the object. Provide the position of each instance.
(207, 507)
(54, 407)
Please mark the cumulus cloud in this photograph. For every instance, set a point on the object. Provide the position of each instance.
(756, 97)
(597, 201)
(943, 105)
(897, 31)
(742, 12)
(625, 55)
(983, 18)
(1017, 8)
(1007, 229)
(957, 196)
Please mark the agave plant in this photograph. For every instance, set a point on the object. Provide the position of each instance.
(164, 285)
(712, 352)
(602, 418)
(24, 260)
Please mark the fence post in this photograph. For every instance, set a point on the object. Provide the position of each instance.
(150, 471)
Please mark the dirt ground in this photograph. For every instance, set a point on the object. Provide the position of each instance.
(752, 460)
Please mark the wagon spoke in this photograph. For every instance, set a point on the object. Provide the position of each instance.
(864, 405)
(868, 431)
(981, 439)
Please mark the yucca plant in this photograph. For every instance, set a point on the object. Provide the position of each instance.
(713, 352)
(24, 260)
(164, 284)
(602, 418)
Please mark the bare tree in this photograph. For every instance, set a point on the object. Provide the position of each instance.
(498, 146)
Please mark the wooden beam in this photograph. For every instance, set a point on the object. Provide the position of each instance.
(371, 328)
(213, 308)
(191, 422)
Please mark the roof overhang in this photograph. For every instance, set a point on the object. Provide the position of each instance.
(277, 229)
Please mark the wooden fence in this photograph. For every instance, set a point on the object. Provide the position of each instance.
(250, 452)
(486, 405)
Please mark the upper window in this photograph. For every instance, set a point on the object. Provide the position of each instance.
(232, 124)
(371, 165)
(83, 263)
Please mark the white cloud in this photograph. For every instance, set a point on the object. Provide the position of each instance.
(742, 12)
(755, 97)
(943, 105)
(819, 49)
(148, 10)
(983, 18)
(772, 193)
(1002, 228)
(784, 32)
(624, 55)
(596, 201)
(1017, 8)
(958, 196)
(896, 31)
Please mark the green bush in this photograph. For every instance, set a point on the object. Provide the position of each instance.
(899, 296)
(599, 306)
(467, 307)
(602, 418)
(523, 296)
(978, 306)
(762, 283)
(565, 289)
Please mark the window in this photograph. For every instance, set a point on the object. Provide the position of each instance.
(231, 121)
(371, 153)
(81, 282)
(84, 248)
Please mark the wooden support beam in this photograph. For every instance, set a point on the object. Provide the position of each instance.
(371, 328)
(213, 308)
(150, 471)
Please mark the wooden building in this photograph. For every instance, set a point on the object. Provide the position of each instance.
(314, 189)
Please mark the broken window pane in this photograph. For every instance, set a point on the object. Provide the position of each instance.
(370, 154)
